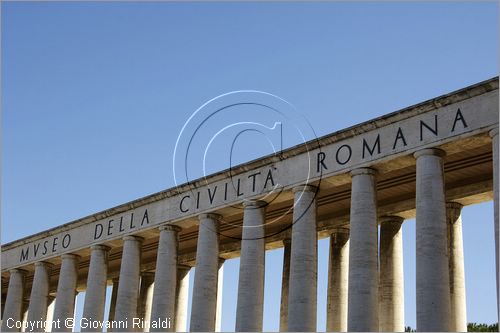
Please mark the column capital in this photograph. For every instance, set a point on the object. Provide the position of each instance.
(133, 238)
(339, 236)
(304, 188)
(363, 171)
(254, 204)
(148, 274)
(211, 216)
(170, 227)
(340, 231)
(392, 219)
(70, 256)
(430, 151)
(493, 132)
(287, 241)
(183, 267)
(17, 271)
(453, 211)
(47, 264)
(454, 205)
(100, 247)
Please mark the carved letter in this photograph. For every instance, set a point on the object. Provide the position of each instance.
(24, 255)
(376, 144)
(35, 249)
(120, 229)
(348, 158)
(399, 136)
(458, 117)
(98, 231)
(66, 240)
(45, 249)
(238, 193)
(433, 130)
(132, 225)
(180, 204)
(253, 183)
(211, 195)
(110, 227)
(54, 244)
(145, 218)
(320, 164)
(269, 178)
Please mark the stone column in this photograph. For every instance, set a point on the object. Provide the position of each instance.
(144, 303)
(112, 304)
(66, 290)
(26, 305)
(220, 283)
(458, 318)
(51, 301)
(14, 302)
(304, 262)
(338, 273)
(285, 279)
(433, 284)
(363, 253)
(496, 147)
(128, 288)
(39, 296)
(165, 276)
(391, 281)
(250, 304)
(204, 301)
(181, 298)
(95, 295)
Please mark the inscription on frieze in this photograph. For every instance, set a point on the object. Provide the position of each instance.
(371, 144)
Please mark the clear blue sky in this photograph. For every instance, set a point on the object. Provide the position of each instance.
(94, 95)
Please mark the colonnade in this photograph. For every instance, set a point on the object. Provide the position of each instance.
(365, 275)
